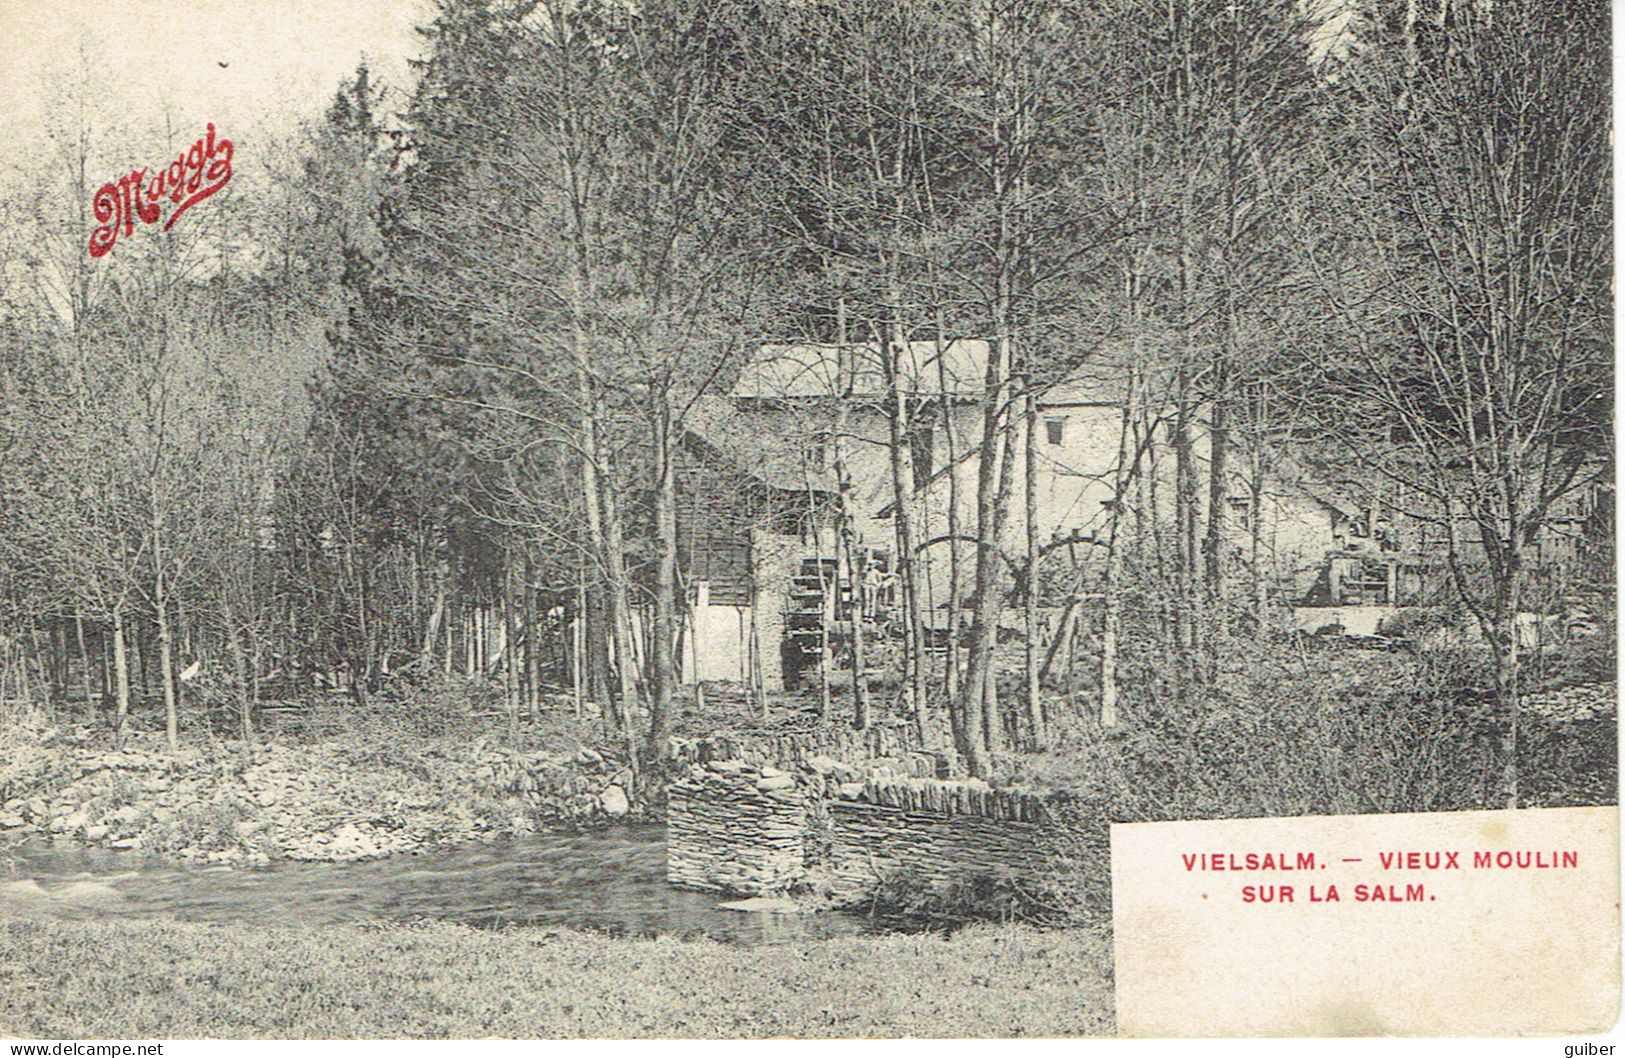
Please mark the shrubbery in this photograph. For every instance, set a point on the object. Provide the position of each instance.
(208, 826)
(983, 897)
(1327, 732)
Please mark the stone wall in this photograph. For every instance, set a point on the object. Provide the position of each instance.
(1579, 701)
(739, 828)
(935, 833)
(735, 827)
(895, 744)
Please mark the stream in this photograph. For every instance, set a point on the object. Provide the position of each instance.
(611, 881)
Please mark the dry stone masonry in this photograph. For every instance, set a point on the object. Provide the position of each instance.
(1580, 701)
(742, 829)
(735, 827)
(935, 833)
(881, 742)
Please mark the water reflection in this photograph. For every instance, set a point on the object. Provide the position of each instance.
(612, 881)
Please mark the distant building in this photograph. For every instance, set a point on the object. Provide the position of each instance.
(757, 531)
(759, 504)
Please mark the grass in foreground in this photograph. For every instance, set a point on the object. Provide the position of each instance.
(131, 980)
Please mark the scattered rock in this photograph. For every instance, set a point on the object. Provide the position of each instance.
(778, 905)
(821, 764)
(780, 781)
(293, 801)
(614, 803)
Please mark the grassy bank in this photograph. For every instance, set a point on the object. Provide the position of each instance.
(167, 980)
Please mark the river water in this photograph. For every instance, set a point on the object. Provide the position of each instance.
(611, 881)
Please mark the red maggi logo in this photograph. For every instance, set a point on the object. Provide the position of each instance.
(199, 171)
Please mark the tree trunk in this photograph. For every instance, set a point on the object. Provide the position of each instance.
(754, 648)
(450, 637)
(121, 672)
(1185, 476)
(1111, 604)
(854, 567)
(431, 630)
(524, 633)
(533, 643)
(993, 496)
(1186, 620)
(828, 589)
(1226, 355)
(84, 664)
(1111, 617)
(950, 675)
(1035, 706)
(139, 649)
(470, 636)
(984, 620)
(597, 661)
(846, 370)
(166, 666)
(597, 476)
(510, 641)
(1063, 632)
(992, 716)
(58, 662)
(1508, 663)
(620, 611)
(240, 677)
(903, 485)
(578, 645)
(665, 624)
(255, 656)
(1255, 528)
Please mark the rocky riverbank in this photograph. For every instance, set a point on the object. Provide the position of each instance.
(336, 800)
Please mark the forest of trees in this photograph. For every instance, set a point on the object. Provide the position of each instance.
(430, 364)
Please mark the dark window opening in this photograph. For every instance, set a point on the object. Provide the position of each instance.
(1055, 429)
(1241, 509)
(920, 452)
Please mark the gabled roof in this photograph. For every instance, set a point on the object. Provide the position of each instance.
(855, 371)
(773, 457)
(810, 369)
(1103, 377)
(1287, 473)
